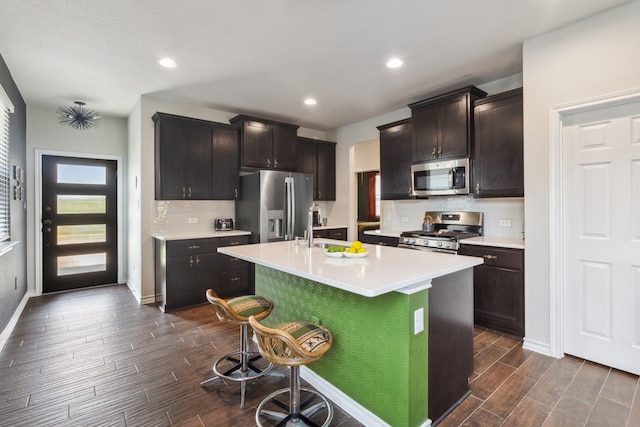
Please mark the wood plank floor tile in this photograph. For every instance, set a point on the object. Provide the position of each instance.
(484, 340)
(486, 383)
(620, 387)
(508, 395)
(483, 418)
(588, 381)
(516, 356)
(569, 411)
(607, 413)
(487, 357)
(528, 413)
(461, 413)
(554, 382)
(634, 414)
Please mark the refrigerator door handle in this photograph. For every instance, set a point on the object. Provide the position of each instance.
(289, 207)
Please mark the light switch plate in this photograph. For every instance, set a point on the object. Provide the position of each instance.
(418, 321)
(505, 223)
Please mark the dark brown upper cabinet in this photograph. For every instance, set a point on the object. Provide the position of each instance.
(396, 153)
(195, 159)
(266, 144)
(498, 148)
(319, 159)
(443, 125)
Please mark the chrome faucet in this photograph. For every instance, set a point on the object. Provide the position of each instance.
(313, 209)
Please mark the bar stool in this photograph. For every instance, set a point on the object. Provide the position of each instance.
(293, 344)
(237, 311)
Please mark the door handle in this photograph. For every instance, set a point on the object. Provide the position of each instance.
(46, 221)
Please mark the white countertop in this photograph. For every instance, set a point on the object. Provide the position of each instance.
(383, 270)
(387, 233)
(199, 234)
(501, 242)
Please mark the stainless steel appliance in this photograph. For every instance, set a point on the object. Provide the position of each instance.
(274, 205)
(222, 224)
(448, 229)
(440, 178)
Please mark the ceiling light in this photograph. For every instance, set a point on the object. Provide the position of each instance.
(78, 116)
(168, 63)
(394, 63)
(310, 101)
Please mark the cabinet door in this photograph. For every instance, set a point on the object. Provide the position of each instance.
(197, 161)
(256, 144)
(170, 166)
(498, 299)
(453, 127)
(226, 163)
(307, 160)
(425, 132)
(498, 147)
(204, 276)
(338, 233)
(179, 290)
(284, 147)
(396, 153)
(325, 176)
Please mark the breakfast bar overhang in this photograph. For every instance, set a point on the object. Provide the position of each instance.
(382, 313)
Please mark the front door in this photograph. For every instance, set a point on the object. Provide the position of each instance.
(79, 223)
(601, 195)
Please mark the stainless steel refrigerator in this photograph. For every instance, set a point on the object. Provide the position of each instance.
(274, 205)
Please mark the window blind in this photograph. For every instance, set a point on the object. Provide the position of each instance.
(5, 175)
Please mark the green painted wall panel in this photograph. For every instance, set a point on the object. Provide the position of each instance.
(376, 359)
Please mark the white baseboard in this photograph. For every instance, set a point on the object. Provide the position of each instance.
(347, 404)
(141, 300)
(537, 346)
(6, 333)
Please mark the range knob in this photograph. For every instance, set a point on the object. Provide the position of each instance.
(438, 244)
(446, 245)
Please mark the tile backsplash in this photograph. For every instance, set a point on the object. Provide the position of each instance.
(503, 217)
(189, 215)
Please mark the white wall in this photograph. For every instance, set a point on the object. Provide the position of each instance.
(44, 133)
(590, 58)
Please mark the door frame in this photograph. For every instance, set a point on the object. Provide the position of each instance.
(556, 206)
(39, 153)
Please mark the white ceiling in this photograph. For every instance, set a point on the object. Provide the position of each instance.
(263, 57)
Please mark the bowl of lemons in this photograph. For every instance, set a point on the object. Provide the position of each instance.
(356, 250)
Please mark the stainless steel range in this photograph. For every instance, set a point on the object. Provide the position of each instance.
(442, 231)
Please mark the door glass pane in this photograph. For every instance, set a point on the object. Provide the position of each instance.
(77, 264)
(78, 174)
(81, 204)
(76, 234)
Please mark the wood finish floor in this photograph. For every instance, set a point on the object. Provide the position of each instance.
(96, 357)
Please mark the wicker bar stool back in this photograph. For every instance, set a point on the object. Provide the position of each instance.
(293, 344)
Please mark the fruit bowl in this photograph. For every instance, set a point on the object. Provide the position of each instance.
(355, 254)
(333, 254)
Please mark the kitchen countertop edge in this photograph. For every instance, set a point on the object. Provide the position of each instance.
(200, 234)
(500, 242)
(386, 233)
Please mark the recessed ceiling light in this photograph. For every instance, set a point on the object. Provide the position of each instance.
(310, 101)
(394, 63)
(168, 63)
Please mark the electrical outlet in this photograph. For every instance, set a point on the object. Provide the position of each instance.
(418, 321)
(193, 220)
(405, 219)
(505, 223)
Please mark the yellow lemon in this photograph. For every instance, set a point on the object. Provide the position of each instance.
(361, 250)
(351, 250)
(357, 244)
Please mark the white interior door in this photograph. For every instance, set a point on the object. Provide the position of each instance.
(601, 235)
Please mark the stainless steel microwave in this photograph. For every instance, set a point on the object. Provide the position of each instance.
(440, 178)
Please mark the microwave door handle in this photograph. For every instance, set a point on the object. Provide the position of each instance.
(451, 172)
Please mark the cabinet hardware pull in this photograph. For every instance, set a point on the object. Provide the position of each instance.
(268, 162)
(275, 163)
(190, 261)
(194, 247)
(189, 191)
(236, 190)
(235, 279)
(490, 256)
(478, 188)
(235, 243)
(439, 151)
(184, 192)
(433, 152)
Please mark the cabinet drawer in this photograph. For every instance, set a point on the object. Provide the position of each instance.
(338, 234)
(512, 259)
(232, 241)
(320, 234)
(191, 246)
(381, 240)
(227, 262)
(234, 283)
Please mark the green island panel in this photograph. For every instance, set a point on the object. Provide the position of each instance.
(376, 358)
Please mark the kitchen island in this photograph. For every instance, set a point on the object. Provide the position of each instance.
(392, 314)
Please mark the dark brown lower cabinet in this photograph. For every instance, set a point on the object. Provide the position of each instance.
(331, 233)
(185, 269)
(498, 295)
(381, 240)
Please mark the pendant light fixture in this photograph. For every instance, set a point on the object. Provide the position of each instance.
(78, 116)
